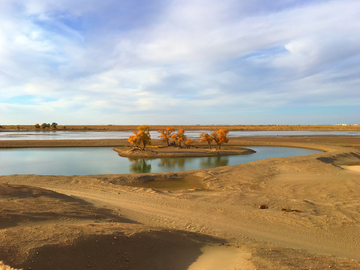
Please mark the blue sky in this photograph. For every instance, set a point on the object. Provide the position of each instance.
(179, 62)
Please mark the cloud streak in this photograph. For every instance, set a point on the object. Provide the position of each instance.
(162, 62)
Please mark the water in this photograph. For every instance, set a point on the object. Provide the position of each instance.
(95, 135)
(104, 160)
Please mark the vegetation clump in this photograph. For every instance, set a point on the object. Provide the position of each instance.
(205, 137)
(189, 143)
(141, 137)
(166, 134)
(179, 137)
(45, 125)
(218, 136)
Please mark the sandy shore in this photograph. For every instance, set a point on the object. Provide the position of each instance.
(105, 223)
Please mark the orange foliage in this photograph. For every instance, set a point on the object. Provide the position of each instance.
(142, 136)
(220, 137)
(206, 138)
(166, 134)
(180, 136)
(189, 142)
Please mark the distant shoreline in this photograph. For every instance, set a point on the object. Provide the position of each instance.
(352, 127)
(310, 142)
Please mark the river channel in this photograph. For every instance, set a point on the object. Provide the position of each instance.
(194, 134)
(104, 160)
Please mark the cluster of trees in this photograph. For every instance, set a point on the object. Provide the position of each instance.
(179, 137)
(142, 137)
(46, 125)
(218, 137)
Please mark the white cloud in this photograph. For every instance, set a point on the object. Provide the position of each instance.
(191, 54)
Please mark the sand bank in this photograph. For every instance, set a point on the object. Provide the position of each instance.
(173, 152)
(105, 222)
(352, 168)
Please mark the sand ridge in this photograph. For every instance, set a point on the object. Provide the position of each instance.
(149, 224)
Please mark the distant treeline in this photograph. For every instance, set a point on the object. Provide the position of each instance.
(188, 127)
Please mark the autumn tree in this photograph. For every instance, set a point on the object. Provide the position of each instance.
(141, 137)
(166, 134)
(205, 137)
(220, 137)
(189, 142)
(180, 136)
(54, 125)
(139, 166)
(37, 126)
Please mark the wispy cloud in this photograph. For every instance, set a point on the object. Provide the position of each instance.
(175, 61)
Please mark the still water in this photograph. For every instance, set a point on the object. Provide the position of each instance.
(95, 135)
(104, 160)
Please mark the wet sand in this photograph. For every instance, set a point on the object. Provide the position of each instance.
(116, 222)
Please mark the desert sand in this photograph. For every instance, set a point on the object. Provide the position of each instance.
(116, 222)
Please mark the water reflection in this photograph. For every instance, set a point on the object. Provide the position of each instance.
(211, 162)
(194, 134)
(139, 165)
(104, 160)
(173, 162)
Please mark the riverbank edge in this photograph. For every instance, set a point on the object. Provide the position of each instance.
(175, 152)
(283, 141)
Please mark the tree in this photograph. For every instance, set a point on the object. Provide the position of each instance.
(206, 138)
(141, 137)
(45, 125)
(139, 166)
(37, 126)
(220, 137)
(54, 125)
(180, 136)
(166, 134)
(188, 143)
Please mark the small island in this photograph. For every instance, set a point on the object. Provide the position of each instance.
(180, 147)
(173, 151)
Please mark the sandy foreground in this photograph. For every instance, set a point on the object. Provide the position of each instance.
(121, 222)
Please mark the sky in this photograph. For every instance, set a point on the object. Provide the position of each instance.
(179, 62)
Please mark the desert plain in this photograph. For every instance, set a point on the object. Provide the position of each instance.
(281, 213)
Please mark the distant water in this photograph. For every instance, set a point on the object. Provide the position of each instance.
(95, 135)
(104, 160)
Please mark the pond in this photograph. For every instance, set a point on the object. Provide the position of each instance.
(96, 135)
(104, 160)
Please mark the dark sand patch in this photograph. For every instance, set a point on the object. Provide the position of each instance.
(188, 182)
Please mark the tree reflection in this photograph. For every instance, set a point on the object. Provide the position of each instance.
(139, 166)
(172, 162)
(211, 162)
